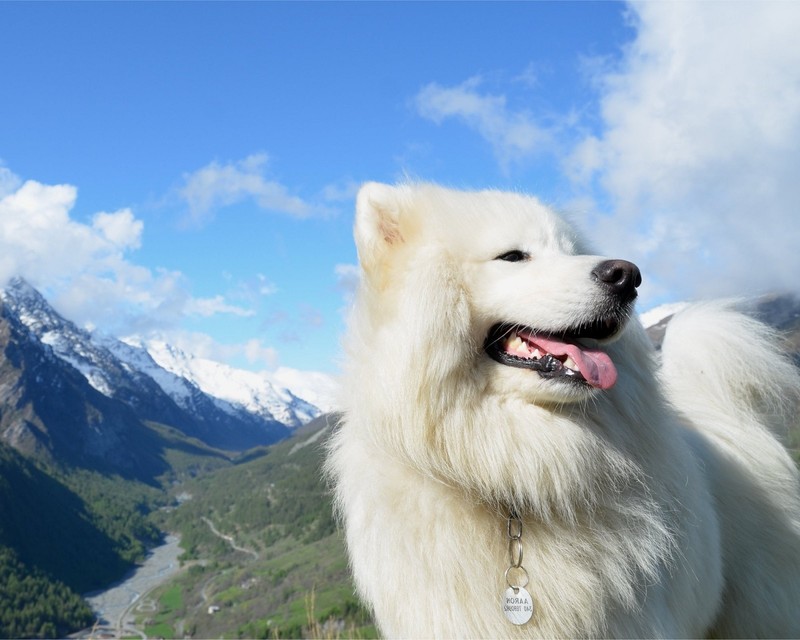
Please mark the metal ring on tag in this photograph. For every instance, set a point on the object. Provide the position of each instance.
(523, 574)
(515, 554)
(518, 533)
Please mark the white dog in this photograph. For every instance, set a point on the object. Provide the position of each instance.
(512, 462)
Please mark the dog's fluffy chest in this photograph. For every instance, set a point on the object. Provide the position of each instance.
(415, 540)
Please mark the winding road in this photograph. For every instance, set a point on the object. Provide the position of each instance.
(229, 539)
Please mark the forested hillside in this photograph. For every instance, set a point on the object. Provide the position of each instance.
(33, 605)
(262, 547)
(67, 531)
(48, 530)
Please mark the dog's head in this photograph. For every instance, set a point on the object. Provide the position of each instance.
(487, 345)
(493, 284)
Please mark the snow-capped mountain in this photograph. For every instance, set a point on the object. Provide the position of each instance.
(234, 389)
(313, 386)
(222, 406)
(103, 359)
(779, 310)
(654, 316)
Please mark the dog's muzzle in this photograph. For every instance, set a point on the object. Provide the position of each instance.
(564, 354)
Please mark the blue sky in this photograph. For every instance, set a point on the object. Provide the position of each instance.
(188, 170)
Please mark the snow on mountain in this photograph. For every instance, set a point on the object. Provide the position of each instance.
(653, 316)
(136, 357)
(66, 340)
(313, 386)
(109, 364)
(252, 391)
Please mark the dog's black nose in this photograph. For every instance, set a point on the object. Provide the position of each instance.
(620, 276)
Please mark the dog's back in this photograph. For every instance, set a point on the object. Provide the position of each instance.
(737, 391)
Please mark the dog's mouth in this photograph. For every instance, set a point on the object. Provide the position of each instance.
(557, 355)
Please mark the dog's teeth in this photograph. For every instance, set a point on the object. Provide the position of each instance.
(569, 363)
(515, 343)
(536, 353)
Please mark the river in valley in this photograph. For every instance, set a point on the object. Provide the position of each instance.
(116, 606)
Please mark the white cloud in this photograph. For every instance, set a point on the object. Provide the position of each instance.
(207, 307)
(529, 76)
(251, 290)
(320, 389)
(219, 185)
(9, 182)
(202, 345)
(84, 269)
(698, 153)
(347, 278)
(692, 171)
(257, 353)
(38, 238)
(344, 191)
(513, 135)
(196, 343)
(264, 286)
(120, 229)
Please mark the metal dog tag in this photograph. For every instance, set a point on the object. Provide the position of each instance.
(517, 605)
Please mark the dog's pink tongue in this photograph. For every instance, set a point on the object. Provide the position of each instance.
(595, 365)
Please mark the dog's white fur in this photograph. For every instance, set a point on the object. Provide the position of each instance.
(663, 506)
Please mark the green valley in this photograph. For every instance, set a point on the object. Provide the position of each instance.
(262, 554)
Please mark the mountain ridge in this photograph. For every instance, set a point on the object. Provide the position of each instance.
(128, 383)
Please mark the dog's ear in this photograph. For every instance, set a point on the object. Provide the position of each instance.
(378, 222)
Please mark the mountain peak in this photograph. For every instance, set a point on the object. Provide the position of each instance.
(20, 294)
(31, 307)
(223, 406)
(252, 391)
(18, 284)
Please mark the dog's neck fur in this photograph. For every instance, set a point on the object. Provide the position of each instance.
(467, 561)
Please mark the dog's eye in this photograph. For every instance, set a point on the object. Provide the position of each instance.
(513, 256)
